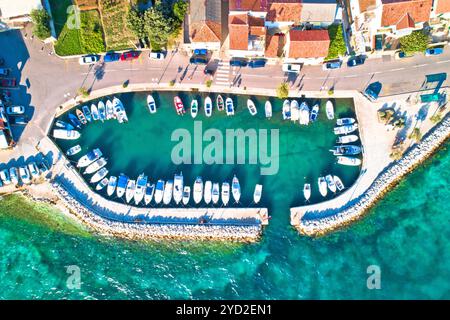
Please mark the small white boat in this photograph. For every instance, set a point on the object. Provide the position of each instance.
(257, 193)
(102, 183)
(251, 107)
(338, 183)
(66, 134)
(151, 105)
(95, 166)
(346, 150)
(90, 157)
(24, 175)
(286, 110)
(229, 107)
(73, 150)
(345, 129)
(178, 188)
(87, 113)
(141, 184)
(109, 110)
(159, 191)
(225, 193)
(208, 106)
(101, 111)
(112, 183)
(131, 188)
(348, 161)
(268, 109)
(168, 191)
(198, 190)
(149, 192)
(236, 189)
(34, 170)
(215, 193)
(220, 103)
(186, 194)
(347, 139)
(207, 192)
(14, 175)
(330, 183)
(121, 185)
(194, 108)
(322, 186)
(345, 121)
(179, 106)
(314, 113)
(94, 112)
(99, 175)
(64, 125)
(304, 114)
(329, 108)
(307, 191)
(119, 110)
(295, 110)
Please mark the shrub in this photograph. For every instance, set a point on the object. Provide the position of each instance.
(41, 21)
(83, 92)
(436, 118)
(179, 9)
(416, 135)
(283, 90)
(417, 41)
(337, 42)
(208, 83)
(171, 83)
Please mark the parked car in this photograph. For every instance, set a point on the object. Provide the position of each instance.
(24, 175)
(89, 59)
(332, 64)
(210, 71)
(373, 90)
(8, 82)
(130, 55)
(157, 55)
(43, 167)
(434, 51)
(200, 52)
(291, 67)
(18, 120)
(111, 57)
(199, 60)
(4, 175)
(402, 54)
(257, 63)
(34, 171)
(15, 110)
(238, 62)
(355, 61)
(4, 72)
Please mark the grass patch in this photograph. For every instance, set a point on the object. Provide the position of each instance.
(337, 42)
(59, 14)
(68, 42)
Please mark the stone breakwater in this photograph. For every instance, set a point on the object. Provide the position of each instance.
(136, 231)
(319, 223)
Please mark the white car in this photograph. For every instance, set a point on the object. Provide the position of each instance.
(89, 59)
(4, 175)
(157, 56)
(32, 167)
(291, 67)
(15, 110)
(24, 175)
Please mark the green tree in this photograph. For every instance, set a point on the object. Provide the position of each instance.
(158, 26)
(41, 21)
(417, 41)
(337, 42)
(416, 135)
(283, 90)
(136, 23)
(179, 9)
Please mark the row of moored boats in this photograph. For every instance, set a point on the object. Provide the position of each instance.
(329, 182)
(345, 152)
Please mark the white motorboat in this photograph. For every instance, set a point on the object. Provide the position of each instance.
(208, 106)
(131, 188)
(330, 183)
(94, 112)
(14, 175)
(109, 110)
(345, 129)
(348, 161)
(251, 107)
(87, 113)
(215, 193)
(286, 110)
(338, 183)
(141, 184)
(178, 188)
(329, 109)
(101, 111)
(168, 191)
(73, 150)
(347, 139)
(268, 109)
(96, 165)
(295, 110)
(194, 108)
(90, 157)
(112, 183)
(102, 184)
(220, 103)
(119, 110)
(322, 186)
(229, 107)
(207, 192)
(345, 121)
(314, 113)
(257, 193)
(149, 192)
(34, 170)
(63, 125)
(121, 185)
(186, 194)
(151, 105)
(345, 150)
(24, 175)
(236, 189)
(99, 175)
(304, 114)
(66, 134)
(307, 191)
(198, 190)
(225, 193)
(159, 191)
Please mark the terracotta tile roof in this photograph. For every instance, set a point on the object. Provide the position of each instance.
(395, 10)
(207, 31)
(406, 22)
(238, 29)
(274, 45)
(247, 5)
(284, 10)
(365, 5)
(443, 6)
(257, 27)
(308, 43)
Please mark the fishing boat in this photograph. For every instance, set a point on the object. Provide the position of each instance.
(87, 113)
(198, 190)
(257, 193)
(178, 188)
(24, 174)
(95, 166)
(307, 191)
(149, 192)
(236, 189)
(66, 134)
(75, 121)
(215, 193)
(64, 125)
(14, 175)
(109, 110)
(90, 157)
(346, 129)
(268, 109)
(194, 108)
(102, 184)
(101, 111)
(345, 121)
(112, 183)
(346, 150)
(225, 193)
(251, 107)
(81, 116)
(230, 107)
(348, 161)
(304, 114)
(141, 184)
(295, 110)
(330, 183)
(99, 175)
(131, 188)
(322, 186)
(338, 183)
(219, 102)
(314, 113)
(207, 192)
(168, 190)
(347, 139)
(286, 110)
(186, 194)
(151, 105)
(121, 185)
(94, 112)
(179, 107)
(159, 191)
(119, 110)
(208, 107)
(329, 109)
(73, 150)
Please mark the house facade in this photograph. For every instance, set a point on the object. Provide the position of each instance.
(17, 13)
(204, 26)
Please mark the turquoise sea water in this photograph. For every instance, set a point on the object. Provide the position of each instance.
(406, 234)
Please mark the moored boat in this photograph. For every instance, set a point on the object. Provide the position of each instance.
(149, 192)
(94, 112)
(101, 111)
(186, 194)
(219, 102)
(99, 175)
(225, 193)
(236, 189)
(64, 125)
(304, 114)
(330, 183)
(95, 166)
(141, 184)
(268, 109)
(178, 188)
(286, 110)
(208, 106)
(119, 110)
(295, 110)
(87, 113)
(198, 190)
(229, 107)
(112, 183)
(159, 191)
(66, 134)
(257, 193)
(322, 186)
(344, 150)
(121, 185)
(345, 121)
(338, 183)
(348, 161)
(329, 109)
(347, 139)
(81, 116)
(88, 158)
(75, 121)
(314, 113)
(307, 191)
(109, 110)
(215, 193)
(103, 183)
(151, 104)
(345, 129)
(178, 104)
(14, 175)
(251, 107)
(168, 190)
(194, 108)
(73, 150)
(131, 188)
(207, 192)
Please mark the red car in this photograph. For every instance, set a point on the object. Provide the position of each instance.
(130, 55)
(8, 82)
